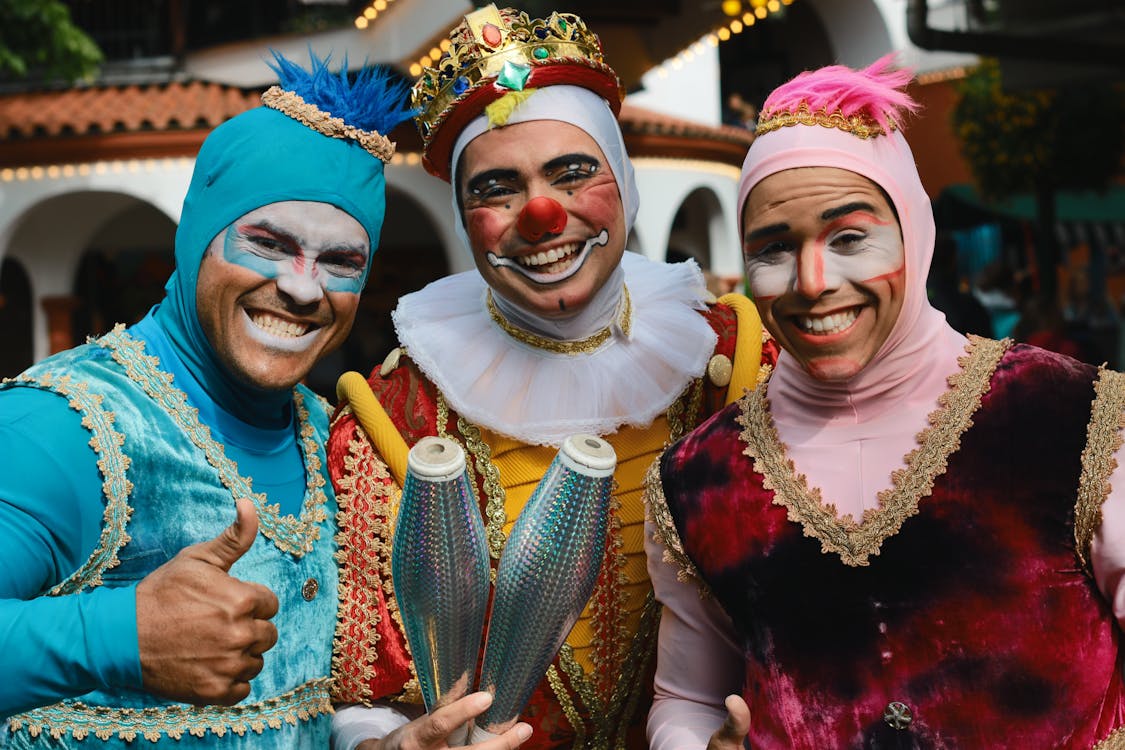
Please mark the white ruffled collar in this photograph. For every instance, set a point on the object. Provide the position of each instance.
(541, 397)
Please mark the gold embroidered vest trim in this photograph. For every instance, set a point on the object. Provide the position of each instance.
(116, 487)
(1103, 438)
(293, 535)
(77, 719)
(856, 542)
(665, 531)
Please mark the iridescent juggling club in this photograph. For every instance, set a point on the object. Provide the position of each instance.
(546, 574)
(440, 568)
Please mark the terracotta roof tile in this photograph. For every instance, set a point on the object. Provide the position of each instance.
(87, 110)
(643, 120)
(173, 109)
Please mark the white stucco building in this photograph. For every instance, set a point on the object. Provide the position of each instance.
(92, 178)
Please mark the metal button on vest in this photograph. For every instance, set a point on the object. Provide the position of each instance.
(720, 369)
(898, 715)
(309, 589)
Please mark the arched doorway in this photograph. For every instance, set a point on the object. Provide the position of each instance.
(698, 226)
(123, 270)
(16, 353)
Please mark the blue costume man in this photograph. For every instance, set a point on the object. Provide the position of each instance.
(169, 528)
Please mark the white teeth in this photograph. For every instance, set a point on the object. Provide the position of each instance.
(278, 327)
(828, 324)
(548, 256)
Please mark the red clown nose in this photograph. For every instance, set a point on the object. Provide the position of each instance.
(540, 216)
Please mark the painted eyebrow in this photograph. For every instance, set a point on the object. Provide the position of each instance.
(294, 241)
(566, 160)
(766, 231)
(832, 213)
(847, 208)
(478, 181)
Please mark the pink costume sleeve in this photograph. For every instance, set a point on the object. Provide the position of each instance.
(1107, 550)
(698, 661)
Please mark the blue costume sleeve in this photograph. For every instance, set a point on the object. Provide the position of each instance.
(50, 522)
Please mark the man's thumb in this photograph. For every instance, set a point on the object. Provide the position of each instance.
(233, 542)
(737, 725)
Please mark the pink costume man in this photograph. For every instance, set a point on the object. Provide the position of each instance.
(906, 538)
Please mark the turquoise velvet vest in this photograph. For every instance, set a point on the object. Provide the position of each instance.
(168, 485)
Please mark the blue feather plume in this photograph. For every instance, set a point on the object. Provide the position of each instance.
(375, 98)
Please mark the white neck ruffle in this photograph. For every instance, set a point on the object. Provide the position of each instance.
(541, 397)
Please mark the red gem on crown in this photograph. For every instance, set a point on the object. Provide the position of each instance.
(491, 35)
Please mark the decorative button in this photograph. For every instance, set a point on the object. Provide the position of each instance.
(719, 370)
(310, 589)
(391, 362)
(897, 715)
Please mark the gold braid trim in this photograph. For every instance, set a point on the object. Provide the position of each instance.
(656, 509)
(363, 497)
(80, 720)
(567, 706)
(495, 497)
(1103, 438)
(581, 346)
(116, 487)
(860, 126)
(643, 651)
(610, 719)
(312, 116)
(1115, 740)
(853, 542)
(293, 535)
(607, 607)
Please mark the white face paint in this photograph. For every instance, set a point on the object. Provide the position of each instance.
(853, 248)
(279, 289)
(826, 266)
(306, 258)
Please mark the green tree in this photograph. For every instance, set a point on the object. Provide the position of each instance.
(38, 38)
(1039, 142)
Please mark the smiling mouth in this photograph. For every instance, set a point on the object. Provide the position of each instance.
(826, 325)
(274, 326)
(554, 265)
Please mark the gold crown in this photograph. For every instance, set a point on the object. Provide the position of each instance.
(860, 125)
(493, 52)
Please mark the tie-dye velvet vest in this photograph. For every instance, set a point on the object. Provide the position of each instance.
(168, 485)
(963, 619)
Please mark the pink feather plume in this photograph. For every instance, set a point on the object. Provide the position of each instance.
(876, 91)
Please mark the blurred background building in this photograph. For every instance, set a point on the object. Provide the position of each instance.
(104, 103)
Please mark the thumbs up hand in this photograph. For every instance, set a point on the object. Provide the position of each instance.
(201, 632)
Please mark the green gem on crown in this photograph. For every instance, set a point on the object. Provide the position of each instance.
(513, 76)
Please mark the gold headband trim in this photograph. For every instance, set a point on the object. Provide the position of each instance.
(309, 115)
(860, 126)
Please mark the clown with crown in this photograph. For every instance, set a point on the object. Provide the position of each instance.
(907, 538)
(558, 331)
